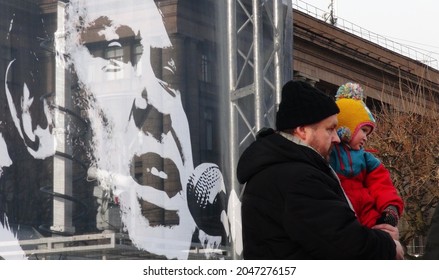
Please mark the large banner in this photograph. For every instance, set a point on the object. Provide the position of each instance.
(121, 122)
(103, 131)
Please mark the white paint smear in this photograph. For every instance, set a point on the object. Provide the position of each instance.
(5, 160)
(46, 140)
(10, 248)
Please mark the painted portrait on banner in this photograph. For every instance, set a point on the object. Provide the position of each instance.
(118, 81)
(137, 118)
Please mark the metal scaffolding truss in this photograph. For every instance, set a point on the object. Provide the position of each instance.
(259, 59)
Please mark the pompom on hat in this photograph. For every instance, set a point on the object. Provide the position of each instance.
(303, 104)
(354, 113)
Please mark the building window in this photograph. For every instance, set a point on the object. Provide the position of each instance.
(138, 51)
(116, 54)
(208, 116)
(205, 71)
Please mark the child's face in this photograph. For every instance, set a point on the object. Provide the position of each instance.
(359, 139)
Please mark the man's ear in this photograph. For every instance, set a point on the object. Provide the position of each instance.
(300, 132)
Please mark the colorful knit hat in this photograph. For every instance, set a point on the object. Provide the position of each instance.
(354, 113)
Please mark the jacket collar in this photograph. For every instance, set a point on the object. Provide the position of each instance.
(298, 141)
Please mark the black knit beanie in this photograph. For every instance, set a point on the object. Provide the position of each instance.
(303, 104)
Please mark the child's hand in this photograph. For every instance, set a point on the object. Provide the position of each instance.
(389, 216)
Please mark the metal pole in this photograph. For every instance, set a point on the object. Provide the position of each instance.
(258, 58)
(62, 167)
(233, 123)
(278, 50)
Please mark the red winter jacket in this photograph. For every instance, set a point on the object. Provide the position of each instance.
(366, 182)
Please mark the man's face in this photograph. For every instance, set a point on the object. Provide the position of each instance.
(112, 54)
(136, 118)
(112, 61)
(106, 62)
(134, 115)
(323, 135)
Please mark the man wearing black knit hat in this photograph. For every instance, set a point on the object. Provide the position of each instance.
(293, 206)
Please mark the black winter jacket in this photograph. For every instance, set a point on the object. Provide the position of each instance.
(293, 207)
